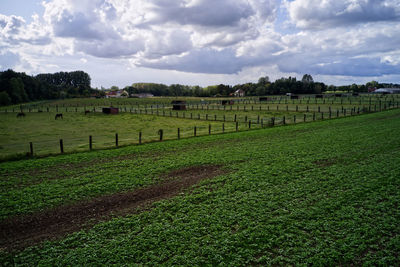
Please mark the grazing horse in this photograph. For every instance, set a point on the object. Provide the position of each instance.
(87, 111)
(21, 114)
(59, 115)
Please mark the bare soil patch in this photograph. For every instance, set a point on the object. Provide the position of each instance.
(23, 231)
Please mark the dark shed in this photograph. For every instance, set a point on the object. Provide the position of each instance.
(227, 102)
(110, 110)
(178, 105)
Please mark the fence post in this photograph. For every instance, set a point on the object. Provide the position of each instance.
(116, 139)
(284, 120)
(272, 121)
(140, 138)
(237, 126)
(179, 133)
(31, 148)
(194, 131)
(223, 127)
(90, 142)
(160, 132)
(61, 146)
(294, 119)
(249, 124)
(209, 129)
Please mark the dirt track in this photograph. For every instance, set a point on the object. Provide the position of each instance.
(24, 231)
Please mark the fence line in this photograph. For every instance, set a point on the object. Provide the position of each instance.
(195, 131)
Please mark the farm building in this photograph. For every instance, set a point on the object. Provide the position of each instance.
(117, 94)
(387, 91)
(110, 110)
(239, 93)
(178, 105)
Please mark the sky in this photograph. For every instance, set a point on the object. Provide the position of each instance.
(203, 42)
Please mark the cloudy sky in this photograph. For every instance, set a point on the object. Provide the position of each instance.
(203, 42)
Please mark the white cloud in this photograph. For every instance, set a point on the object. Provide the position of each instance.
(332, 13)
(220, 38)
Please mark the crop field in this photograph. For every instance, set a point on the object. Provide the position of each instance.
(321, 193)
(140, 120)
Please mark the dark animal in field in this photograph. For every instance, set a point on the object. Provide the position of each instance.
(21, 114)
(59, 115)
(87, 111)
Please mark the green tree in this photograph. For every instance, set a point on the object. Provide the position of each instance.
(4, 99)
(307, 78)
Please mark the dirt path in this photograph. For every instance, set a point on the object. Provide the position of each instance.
(24, 231)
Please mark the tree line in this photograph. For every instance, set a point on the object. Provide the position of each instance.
(16, 87)
(264, 86)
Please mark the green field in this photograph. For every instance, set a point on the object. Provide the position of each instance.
(75, 128)
(148, 116)
(322, 193)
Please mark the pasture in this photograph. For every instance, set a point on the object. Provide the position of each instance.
(84, 127)
(323, 193)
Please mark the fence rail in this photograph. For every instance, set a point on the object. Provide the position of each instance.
(226, 126)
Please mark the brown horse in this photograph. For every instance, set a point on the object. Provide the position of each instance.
(59, 115)
(21, 114)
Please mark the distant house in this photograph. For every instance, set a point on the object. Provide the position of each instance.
(117, 94)
(142, 95)
(239, 93)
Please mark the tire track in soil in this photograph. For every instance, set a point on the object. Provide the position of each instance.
(20, 232)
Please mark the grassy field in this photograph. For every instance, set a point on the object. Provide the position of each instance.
(150, 115)
(323, 193)
(75, 128)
